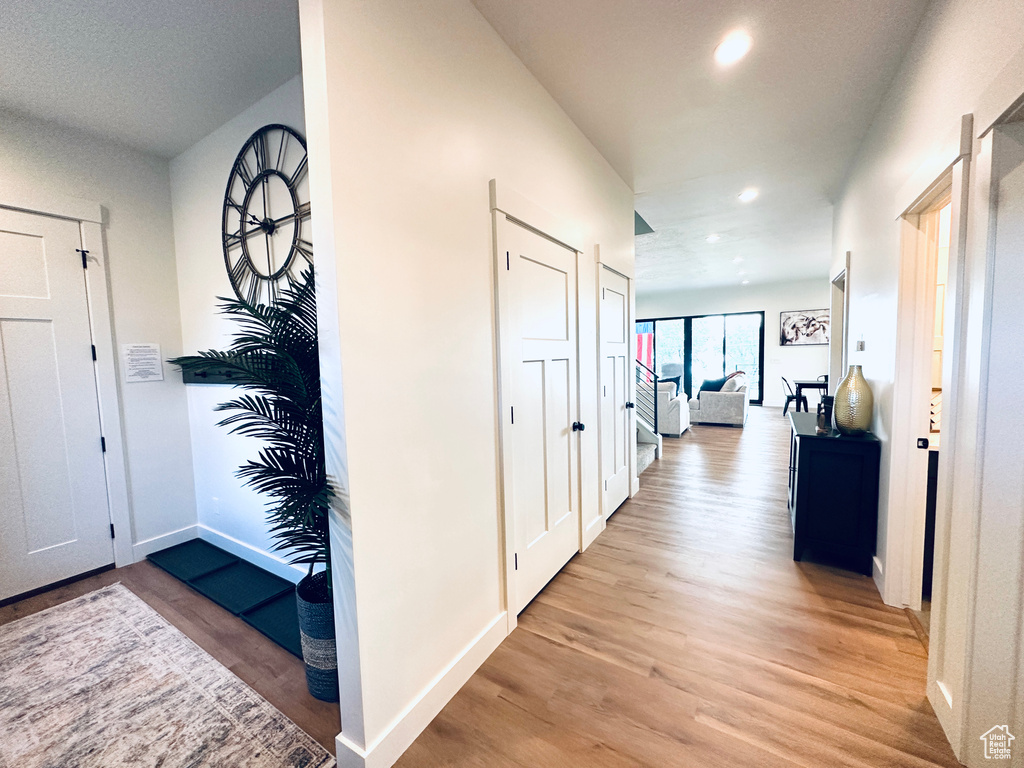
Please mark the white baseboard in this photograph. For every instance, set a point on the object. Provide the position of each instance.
(878, 574)
(397, 737)
(251, 554)
(143, 548)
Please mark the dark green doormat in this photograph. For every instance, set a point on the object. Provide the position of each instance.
(241, 586)
(264, 601)
(192, 559)
(278, 621)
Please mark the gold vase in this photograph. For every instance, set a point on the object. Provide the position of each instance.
(854, 403)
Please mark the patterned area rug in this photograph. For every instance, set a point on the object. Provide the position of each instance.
(105, 681)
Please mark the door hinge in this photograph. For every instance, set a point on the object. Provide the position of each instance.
(93, 351)
(85, 257)
(513, 412)
(112, 530)
(507, 266)
(606, 485)
(516, 560)
(103, 444)
(922, 442)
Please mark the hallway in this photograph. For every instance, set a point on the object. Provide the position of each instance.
(687, 636)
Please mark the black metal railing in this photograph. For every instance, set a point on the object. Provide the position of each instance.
(647, 395)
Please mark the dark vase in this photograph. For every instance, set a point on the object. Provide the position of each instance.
(316, 625)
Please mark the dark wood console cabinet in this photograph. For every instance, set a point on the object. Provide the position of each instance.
(833, 493)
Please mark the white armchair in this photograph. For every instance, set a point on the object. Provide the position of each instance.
(725, 407)
(673, 412)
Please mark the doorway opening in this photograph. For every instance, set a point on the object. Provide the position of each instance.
(937, 238)
(838, 351)
(929, 264)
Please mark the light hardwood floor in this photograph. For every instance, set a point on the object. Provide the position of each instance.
(269, 669)
(687, 636)
(684, 636)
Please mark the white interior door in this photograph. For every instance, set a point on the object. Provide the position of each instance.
(616, 368)
(542, 355)
(54, 520)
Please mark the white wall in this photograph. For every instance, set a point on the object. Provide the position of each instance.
(966, 58)
(229, 515)
(412, 109)
(40, 159)
(800, 362)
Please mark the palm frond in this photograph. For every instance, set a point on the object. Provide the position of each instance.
(274, 357)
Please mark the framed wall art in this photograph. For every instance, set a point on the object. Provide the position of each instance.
(803, 327)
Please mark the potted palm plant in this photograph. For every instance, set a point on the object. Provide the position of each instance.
(274, 357)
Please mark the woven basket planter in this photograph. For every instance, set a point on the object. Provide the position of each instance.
(319, 648)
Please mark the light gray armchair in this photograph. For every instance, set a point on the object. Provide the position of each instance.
(673, 412)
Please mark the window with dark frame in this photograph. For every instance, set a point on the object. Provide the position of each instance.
(694, 348)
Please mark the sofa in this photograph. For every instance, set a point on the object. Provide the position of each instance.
(728, 406)
(673, 411)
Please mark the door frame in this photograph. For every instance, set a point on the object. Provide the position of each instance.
(838, 352)
(506, 203)
(596, 526)
(90, 218)
(913, 377)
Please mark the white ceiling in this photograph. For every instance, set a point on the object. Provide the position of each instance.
(639, 80)
(157, 75)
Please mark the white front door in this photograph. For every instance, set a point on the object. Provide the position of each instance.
(54, 520)
(541, 291)
(616, 368)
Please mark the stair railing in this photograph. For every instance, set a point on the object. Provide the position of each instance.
(647, 395)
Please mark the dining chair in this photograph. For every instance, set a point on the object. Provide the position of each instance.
(791, 397)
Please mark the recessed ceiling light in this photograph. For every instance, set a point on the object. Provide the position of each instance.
(734, 47)
(745, 282)
(737, 260)
(713, 238)
(747, 195)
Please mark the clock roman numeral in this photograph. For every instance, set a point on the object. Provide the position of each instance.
(239, 271)
(242, 167)
(299, 172)
(254, 289)
(282, 150)
(260, 150)
(305, 248)
(233, 240)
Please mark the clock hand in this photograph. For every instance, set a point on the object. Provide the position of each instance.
(252, 232)
(267, 229)
(289, 217)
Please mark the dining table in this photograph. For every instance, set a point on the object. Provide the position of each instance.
(819, 384)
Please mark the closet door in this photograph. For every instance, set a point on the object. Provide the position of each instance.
(540, 348)
(54, 520)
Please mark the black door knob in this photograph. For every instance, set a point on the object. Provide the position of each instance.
(577, 427)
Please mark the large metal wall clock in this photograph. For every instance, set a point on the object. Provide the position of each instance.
(266, 225)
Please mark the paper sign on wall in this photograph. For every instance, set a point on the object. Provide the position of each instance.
(142, 363)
